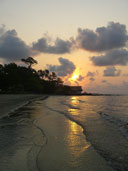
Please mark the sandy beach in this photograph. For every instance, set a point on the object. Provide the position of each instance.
(8, 103)
(15, 145)
(35, 137)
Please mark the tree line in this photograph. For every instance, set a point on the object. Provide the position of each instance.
(20, 79)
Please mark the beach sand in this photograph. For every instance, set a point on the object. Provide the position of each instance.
(8, 103)
(39, 139)
(18, 133)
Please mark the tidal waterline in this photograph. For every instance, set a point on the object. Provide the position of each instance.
(48, 135)
(67, 148)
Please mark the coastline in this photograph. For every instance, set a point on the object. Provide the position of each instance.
(21, 138)
(66, 145)
(39, 137)
(11, 102)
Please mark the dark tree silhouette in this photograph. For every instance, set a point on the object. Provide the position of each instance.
(20, 79)
(29, 61)
(46, 73)
(52, 76)
(41, 74)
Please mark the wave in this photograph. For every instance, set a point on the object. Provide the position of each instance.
(67, 116)
(116, 163)
(123, 126)
(81, 101)
(69, 105)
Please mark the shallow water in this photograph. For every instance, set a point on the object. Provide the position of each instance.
(105, 123)
(82, 133)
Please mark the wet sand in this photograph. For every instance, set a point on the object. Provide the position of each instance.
(39, 139)
(20, 137)
(8, 103)
(67, 148)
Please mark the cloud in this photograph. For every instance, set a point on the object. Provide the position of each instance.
(12, 48)
(76, 83)
(92, 79)
(91, 74)
(125, 84)
(104, 81)
(125, 75)
(60, 46)
(2, 29)
(111, 72)
(80, 78)
(66, 67)
(103, 39)
(111, 58)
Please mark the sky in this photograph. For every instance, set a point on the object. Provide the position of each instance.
(84, 41)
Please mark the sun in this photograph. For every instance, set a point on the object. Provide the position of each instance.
(74, 77)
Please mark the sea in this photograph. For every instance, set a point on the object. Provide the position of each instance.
(67, 133)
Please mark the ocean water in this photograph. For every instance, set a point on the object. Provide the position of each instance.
(68, 133)
(104, 120)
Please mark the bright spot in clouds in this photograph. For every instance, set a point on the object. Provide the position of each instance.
(74, 77)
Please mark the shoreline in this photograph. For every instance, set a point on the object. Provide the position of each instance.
(66, 138)
(9, 103)
(45, 139)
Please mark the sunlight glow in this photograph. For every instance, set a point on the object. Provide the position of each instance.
(74, 77)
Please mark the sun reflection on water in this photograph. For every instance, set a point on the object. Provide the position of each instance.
(76, 139)
(74, 108)
(74, 100)
(72, 111)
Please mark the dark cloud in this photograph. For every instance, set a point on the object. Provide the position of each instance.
(12, 48)
(80, 78)
(104, 81)
(92, 79)
(111, 72)
(113, 57)
(104, 38)
(66, 67)
(91, 74)
(60, 46)
(76, 82)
